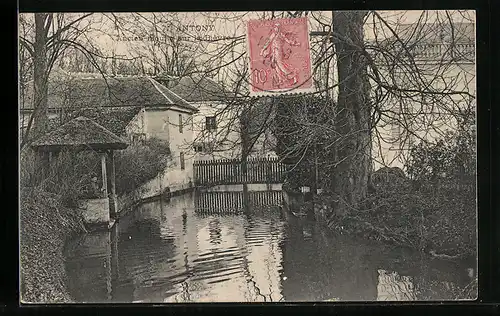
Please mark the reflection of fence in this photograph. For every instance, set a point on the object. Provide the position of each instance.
(233, 202)
(229, 171)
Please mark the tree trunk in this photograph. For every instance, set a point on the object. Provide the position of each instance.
(350, 179)
(245, 150)
(40, 73)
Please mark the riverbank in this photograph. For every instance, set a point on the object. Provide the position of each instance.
(436, 231)
(389, 235)
(45, 225)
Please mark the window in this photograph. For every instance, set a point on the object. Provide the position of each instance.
(183, 162)
(210, 124)
(137, 138)
(198, 148)
(180, 123)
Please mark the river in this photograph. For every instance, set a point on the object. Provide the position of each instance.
(188, 250)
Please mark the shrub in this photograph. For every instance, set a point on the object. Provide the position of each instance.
(138, 164)
(45, 223)
(433, 209)
(444, 174)
(69, 177)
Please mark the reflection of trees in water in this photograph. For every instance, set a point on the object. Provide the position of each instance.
(433, 279)
(263, 256)
(87, 263)
(327, 266)
(102, 267)
(393, 287)
(450, 282)
(320, 267)
(143, 254)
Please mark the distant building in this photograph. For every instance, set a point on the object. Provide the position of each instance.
(216, 126)
(136, 107)
(444, 55)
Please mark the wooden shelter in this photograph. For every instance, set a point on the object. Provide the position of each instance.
(82, 133)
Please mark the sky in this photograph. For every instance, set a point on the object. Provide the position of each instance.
(129, 34)
(218, 24)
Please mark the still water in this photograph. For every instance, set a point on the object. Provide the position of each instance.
(185, 250)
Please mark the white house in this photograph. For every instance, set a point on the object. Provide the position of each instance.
(137, 107)
(216, 125)
(444, 55)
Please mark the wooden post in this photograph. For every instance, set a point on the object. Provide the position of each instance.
(114, 260)
(103, 173)
(113, 206)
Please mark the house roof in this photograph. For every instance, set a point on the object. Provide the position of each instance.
(435, 33)
(115, 119)
(98, 91)
(173, 97)
(199, 88)
(80, 132)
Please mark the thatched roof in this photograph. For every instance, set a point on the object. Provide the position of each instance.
(115, 119)
(98, 91)
(81, 133)
(199, 88)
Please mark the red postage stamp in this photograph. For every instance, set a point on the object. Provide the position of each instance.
(280, 59)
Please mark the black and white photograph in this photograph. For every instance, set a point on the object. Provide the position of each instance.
(247, 157)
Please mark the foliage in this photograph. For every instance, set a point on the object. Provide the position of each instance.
(77, 175)
(452, 158)
(138, 164)
(434, 210)
(302, 128)
(45, 223)
(69, 177)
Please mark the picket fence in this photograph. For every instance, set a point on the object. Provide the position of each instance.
(229, 171)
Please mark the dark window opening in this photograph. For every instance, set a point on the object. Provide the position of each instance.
(180, 123)
(210, 123)
(183, 162)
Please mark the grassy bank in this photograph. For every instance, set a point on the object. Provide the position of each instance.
(45, 224)
(436, 219)
(49, 214)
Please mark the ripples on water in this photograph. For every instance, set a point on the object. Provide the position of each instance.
(179, 252)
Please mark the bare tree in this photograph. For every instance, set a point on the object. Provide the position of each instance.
(387, 90)
(51, 35)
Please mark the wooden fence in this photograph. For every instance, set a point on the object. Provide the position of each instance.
(234, 202)
(229, 171)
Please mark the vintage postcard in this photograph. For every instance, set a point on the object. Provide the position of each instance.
(277, 156)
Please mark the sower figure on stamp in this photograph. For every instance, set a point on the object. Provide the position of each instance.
(273, 52)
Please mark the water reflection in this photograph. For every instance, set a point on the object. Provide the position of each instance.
(393, 287)
(177, 252)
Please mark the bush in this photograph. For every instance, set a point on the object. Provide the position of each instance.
(69, 177)
(48, 215)
(138, 164)
(45, 224)
(434, 209)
